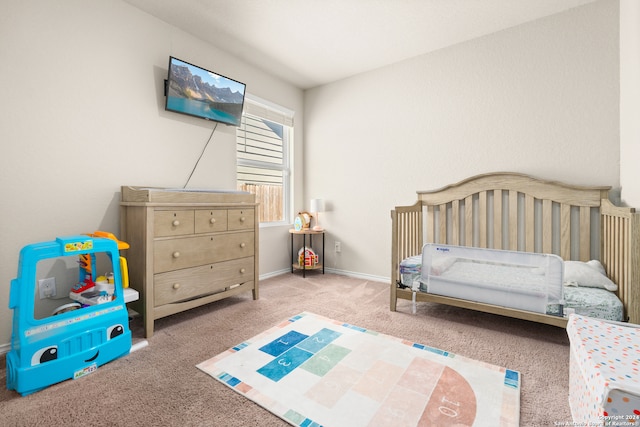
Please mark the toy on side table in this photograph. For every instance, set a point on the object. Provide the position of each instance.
(77, 338)
(307, 257)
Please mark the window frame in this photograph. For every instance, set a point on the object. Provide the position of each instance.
(264, 110)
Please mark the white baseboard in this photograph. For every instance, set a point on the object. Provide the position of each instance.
(332, 271)
(358, 275)
(4, 348)
(274, 274)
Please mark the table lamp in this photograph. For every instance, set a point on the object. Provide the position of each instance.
(317, 206)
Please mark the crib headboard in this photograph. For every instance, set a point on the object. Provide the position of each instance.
(514, 211)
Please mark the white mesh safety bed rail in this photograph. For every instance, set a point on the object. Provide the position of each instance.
(521, 280)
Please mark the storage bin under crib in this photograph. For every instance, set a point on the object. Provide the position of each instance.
(604, 376)
(520, 280)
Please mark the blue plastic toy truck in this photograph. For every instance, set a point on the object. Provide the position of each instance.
(70, 342)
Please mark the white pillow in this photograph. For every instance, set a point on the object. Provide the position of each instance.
(597, 265)
(587, 274)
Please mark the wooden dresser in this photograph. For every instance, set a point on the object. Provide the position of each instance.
(188, 248)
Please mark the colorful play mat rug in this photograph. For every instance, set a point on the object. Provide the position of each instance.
(313, 371)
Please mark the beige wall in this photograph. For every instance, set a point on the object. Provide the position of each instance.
(630, 101)
(82, 113)
(541, 98)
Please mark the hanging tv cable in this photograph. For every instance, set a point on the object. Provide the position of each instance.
(201, 154)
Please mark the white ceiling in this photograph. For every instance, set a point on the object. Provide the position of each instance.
(313, 42)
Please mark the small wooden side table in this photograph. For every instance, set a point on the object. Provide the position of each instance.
(294, 254)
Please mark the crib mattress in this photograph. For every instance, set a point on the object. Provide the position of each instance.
(410, 269)
(594, 302)
(520, 280)
(604, 388)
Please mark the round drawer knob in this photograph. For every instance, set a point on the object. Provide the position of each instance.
(212, 220)
(242, 270)
(176, 285)
(176, 223)
(242, 245)
(242, 219)
(176, 254)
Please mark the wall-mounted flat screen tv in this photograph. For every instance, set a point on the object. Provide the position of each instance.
(202, 93)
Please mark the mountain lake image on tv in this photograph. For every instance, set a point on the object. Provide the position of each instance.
(201, 93)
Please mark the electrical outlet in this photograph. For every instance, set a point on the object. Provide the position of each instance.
(338, 247)
(47, 287)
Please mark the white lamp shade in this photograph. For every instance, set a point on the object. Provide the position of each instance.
(317, 205)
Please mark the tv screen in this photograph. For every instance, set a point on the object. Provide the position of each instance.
(201, 93)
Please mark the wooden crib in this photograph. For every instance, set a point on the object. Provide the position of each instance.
(514, 211)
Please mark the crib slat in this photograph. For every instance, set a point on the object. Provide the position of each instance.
(585, 233)
(431, 226)
(497, 219)
(404, 233)
(619, 239)
(468, 221)
(513, 220)
(529, 222)
(419, 231)
(608, 234)
(407, 232)
(608, 256)
(547, 226)
(617, 244)
(455, 222)
(482, 219)
(565, 231)
(612, 258)
(442, 223)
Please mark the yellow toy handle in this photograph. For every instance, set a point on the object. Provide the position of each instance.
(124, 270)
(105, 234)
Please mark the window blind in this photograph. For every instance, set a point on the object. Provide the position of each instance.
(266, 110)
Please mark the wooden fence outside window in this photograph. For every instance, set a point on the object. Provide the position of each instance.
(270, 199)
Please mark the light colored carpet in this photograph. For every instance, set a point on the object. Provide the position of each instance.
(160, 385)
(311, 370)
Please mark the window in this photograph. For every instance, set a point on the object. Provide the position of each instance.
(262, 144)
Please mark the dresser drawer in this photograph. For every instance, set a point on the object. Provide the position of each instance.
(210, 220)
(172, 254)
(181, 285)
(241, 219)
(173, 223)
